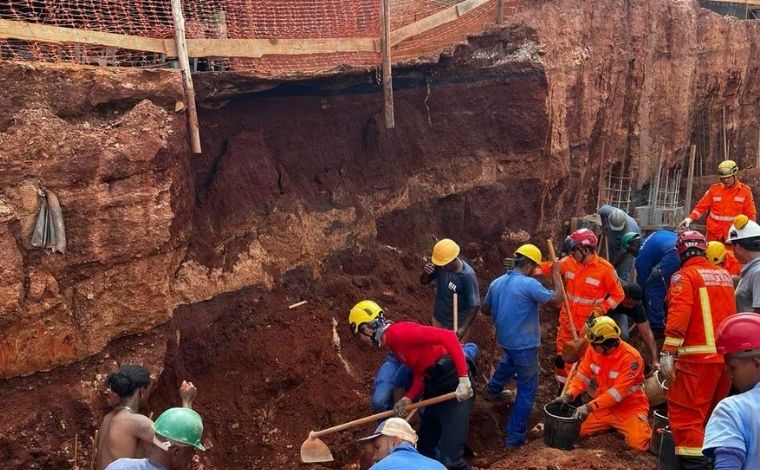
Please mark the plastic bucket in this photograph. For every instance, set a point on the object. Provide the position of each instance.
(655, 388)
(660, 422)
(561, 430)
(668, 459)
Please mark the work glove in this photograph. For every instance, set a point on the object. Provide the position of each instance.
(563, 399)
(668, 366)
(452, 287)
(464, 389)
(582, 412)
(400, 407)
(685, 223)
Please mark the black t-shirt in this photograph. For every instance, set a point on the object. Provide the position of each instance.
(637, 312)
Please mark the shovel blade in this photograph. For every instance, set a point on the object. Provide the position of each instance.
(572, 350)
(313, 450)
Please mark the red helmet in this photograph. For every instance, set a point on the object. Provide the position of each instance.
(690, 239)
(738, 333)
(582, 237)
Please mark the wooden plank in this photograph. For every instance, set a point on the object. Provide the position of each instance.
(187, 79)
(261, 47)
(390, 121)
(433, 21)
(735, 2)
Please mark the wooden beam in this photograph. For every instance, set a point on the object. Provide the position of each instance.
(500, 12)
(735, 2)
(261, 47)
(390, 121)
(187, 80)
(690, 178)
(433, 21)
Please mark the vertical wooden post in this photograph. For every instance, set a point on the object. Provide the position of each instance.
(725, 140)
(757, 159)
(690, 179)
(390, 122)
(187, 80)
(500, 12)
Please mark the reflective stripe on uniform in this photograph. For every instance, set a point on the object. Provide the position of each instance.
(636, 388)
(583, 377)
(611, 302)
(722, 218)
(613, 374)
(594, 368)
(672, 341)
(689, 451)
(739, 199)
(709, 346)
(560, 378)
(615, 394)
(570, 275)
(581, 300)
(592, 281)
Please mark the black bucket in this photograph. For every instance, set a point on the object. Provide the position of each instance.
(660, 421)
(668, 459)
(561, 430)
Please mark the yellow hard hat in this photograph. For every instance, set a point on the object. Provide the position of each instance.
(716, 252)
(530, 251)
(727, 168)
(363, 312)
(601, 328)
(444, 252)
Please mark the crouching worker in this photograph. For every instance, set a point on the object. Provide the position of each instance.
(439, 365)
(394, 446)
(617, 368)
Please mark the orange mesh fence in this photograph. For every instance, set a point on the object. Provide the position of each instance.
(233, 19)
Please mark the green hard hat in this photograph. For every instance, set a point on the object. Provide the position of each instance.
(627, 238)
(181, 425)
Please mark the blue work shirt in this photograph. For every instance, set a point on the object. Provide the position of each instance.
(467, 293)
(405, 457)
(133, 464)
(653, 250)
(735, 423)
(514, 299)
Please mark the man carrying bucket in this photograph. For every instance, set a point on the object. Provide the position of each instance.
(617, 368)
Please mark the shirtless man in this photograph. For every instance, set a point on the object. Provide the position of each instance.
(124, 428)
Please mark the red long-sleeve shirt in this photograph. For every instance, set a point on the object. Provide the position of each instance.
(419, 347)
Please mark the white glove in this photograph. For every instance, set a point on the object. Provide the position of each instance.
(685, 223)
(464, 389)
(400, 407)
(668, 366)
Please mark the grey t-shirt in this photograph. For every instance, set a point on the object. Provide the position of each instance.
(748, 289)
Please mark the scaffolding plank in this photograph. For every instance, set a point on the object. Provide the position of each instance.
(448, 15)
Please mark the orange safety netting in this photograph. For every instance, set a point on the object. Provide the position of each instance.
(234, 19)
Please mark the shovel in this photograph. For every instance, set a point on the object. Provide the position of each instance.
(314, 450)
(571, 350)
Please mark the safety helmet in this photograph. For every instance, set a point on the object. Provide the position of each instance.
(743, 229)
(688, 240)
(627, 238)
(727, 168)
(181, 425)
(716, 252)
(617, 220)
(364, 312)
(738, 333)
(602, 328)
(530, 251)
(444, 252)
(580, 238)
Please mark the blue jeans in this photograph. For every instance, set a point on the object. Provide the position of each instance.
(391, 374)
(523, 363)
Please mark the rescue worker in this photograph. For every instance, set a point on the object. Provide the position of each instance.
(718, 255)
(178, 433)
(701, 296)
(724, 201)
(394, 446)
(656, 262)
(632, 308)
(439, 365)
(616, 223)
(617, 369)
(732, 436)
(744, 236)
(592, 289)
(452, 275)
(512, 301)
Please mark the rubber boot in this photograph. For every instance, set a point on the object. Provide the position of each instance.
(695, 463)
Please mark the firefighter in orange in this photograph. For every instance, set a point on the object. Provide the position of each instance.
(617, 369)
(724, 201)
(718, 255)
(701, 295)
(592, 287)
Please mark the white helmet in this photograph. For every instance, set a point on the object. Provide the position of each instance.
(743, 229)
(617, 220)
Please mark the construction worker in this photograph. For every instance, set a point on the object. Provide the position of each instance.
(631, 307)
(616, 223)
(394, 445)
(592, 289)
(718, 255)
(744, 236)
(452, 275)
(656, 262)
(512, 301)
(124, 427)
(617, 369)
(440, 365)
(724, 201)
(701, 295)
(732, 436)
(178, 433)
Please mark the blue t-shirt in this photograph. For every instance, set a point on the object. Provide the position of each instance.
(405, 457)
(653, 250)
(735, 423)
(467, 293)
(133, 464)
(514, 299)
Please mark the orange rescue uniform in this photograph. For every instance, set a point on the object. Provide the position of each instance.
(619, 402)
(588, 285)
(731, 264)
(724, 204)
(701, 296)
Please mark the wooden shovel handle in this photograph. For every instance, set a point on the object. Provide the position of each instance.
(570, 376)
(384, 414)
(455, 311)
(565, 302)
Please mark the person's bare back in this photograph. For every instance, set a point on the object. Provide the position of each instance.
(121, 436)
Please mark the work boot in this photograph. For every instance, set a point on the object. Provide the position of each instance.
(695, 463)
(503, 395)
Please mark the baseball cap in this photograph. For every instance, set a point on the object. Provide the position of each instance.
(393, 427)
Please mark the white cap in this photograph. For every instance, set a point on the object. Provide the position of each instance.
(393, 427)
(742, 229)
